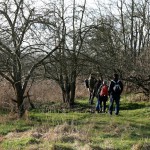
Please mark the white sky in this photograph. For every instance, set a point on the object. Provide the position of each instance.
(90, 3)
(100, 5)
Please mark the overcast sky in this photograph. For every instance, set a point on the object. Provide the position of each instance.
(90, 3)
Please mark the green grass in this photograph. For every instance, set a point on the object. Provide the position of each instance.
(77, 128)
(14, 126)
(14, 144)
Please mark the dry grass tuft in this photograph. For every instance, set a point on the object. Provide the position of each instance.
(64, 133)
(3, 119)
(86, 147)
(64, 128)
(80, 146)
(19, 135)
(8, 117)
(55, 134)
(110, 127)
(51, 136)
(1, 138)
(137, 147)
(141, 146)
(137, 97)
(108, 144)
(78, 139)
(72, 137)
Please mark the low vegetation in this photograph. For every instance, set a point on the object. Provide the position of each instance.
(51, 127)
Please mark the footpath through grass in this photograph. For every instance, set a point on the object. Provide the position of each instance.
(78, 128)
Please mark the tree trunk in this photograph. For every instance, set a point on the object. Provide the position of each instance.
(73, 88)
(20, 98)
(67, 87)
(64, 96)
(72, 97)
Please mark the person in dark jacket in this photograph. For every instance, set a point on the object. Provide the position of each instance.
(115, 90)
(92, 83)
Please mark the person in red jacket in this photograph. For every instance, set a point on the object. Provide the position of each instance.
(102, 98)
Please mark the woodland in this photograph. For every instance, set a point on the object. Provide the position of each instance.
(48, 48)
(62, 43)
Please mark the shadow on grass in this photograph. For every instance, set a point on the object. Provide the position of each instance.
(82, 106)
(132, 106)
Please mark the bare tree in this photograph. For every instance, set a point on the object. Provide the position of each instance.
(129, 44)
(22, 45)
(65, 65)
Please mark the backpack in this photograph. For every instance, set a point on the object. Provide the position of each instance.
(104, 90)
(116, 87)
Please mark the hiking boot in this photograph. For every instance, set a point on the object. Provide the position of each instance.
(116, 113)
(97, 111)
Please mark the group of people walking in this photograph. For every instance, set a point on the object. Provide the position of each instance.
(102, 91)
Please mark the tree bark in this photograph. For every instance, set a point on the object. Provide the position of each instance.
(19, 99)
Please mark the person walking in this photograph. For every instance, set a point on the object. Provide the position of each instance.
(102, 98)
(115, 90)
(92, 82)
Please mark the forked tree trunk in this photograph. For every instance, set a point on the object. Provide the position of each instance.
(68, 90)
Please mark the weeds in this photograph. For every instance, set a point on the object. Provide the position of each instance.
(78, 129)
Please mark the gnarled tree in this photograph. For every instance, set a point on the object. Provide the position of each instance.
(23, 44)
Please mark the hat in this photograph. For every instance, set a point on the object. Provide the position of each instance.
(105, 82)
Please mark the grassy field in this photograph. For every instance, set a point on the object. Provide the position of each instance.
(51, 127)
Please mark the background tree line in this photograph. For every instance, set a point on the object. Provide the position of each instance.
(62, 42)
